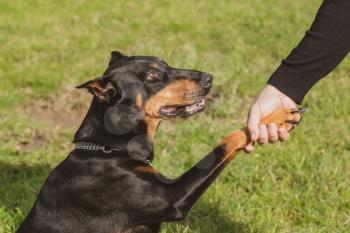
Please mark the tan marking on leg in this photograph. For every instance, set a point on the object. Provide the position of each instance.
(146, 169)
(234, 142)
(240, 138)
(281, 118)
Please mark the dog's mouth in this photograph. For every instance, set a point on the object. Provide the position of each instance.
(183, 110)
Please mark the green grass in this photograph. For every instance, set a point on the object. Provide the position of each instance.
(299, 186)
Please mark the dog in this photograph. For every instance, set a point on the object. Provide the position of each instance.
(107, 183)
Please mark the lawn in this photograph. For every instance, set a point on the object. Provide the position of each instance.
(48, 47)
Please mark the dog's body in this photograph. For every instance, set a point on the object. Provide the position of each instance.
(113, 188)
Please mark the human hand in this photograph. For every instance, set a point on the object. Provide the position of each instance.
(268, 101)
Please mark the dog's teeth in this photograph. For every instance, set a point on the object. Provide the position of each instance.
(168, 110)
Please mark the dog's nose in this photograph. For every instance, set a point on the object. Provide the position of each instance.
(206, 80)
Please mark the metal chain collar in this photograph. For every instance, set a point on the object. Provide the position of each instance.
(105, 149)
(94, 146)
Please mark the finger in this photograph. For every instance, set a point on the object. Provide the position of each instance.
(263, 135)
(249, 148)
(272, 131)
(282, 134)
(253, 122)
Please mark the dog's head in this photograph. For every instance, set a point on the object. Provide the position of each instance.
(148, 85)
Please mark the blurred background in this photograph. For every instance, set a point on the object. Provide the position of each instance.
(49, 47)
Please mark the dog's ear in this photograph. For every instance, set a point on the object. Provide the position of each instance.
(123, 117)
(115, 56)
(102, 88)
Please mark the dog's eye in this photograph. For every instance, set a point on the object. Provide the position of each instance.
(152, 75)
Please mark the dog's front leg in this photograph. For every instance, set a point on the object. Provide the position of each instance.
(187, 189)
(174, 198)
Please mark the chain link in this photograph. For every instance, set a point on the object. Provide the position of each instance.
(94, 147)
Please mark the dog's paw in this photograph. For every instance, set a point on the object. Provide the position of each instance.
(287, 119)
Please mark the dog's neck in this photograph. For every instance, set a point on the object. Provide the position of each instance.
(93, 129)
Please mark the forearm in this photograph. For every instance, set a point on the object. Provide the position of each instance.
(321, 50)
(192, 184)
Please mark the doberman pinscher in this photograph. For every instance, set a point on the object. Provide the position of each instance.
(107, 183)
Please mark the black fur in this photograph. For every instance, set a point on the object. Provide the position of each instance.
(96, 192)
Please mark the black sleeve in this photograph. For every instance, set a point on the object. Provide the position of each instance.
(324, 46)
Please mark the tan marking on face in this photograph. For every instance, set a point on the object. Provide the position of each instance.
(139, 101)
(152, 125)
(146, 169)
(172, 95)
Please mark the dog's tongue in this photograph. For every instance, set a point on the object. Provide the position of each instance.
(168, 110)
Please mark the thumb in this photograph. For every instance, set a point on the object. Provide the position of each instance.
(253, 122)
